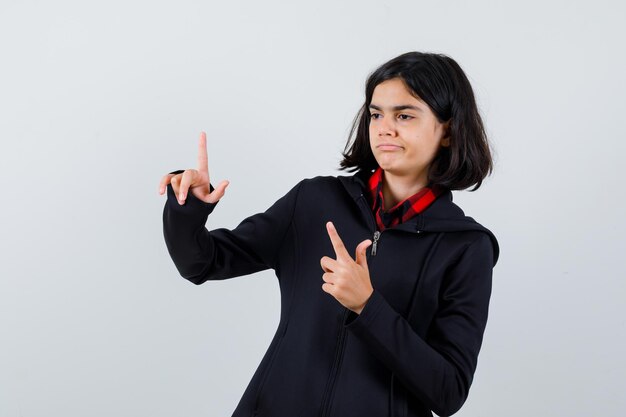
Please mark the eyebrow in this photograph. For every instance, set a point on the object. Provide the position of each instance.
(397, 108)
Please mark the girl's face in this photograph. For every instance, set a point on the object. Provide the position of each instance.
(405, 134)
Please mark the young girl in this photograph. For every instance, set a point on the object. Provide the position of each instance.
(396, 328)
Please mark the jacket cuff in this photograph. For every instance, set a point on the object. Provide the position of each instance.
(358, 322)
(192, 203)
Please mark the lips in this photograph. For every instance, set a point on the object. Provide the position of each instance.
(388, 147)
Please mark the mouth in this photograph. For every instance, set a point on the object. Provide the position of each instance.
(388, 147)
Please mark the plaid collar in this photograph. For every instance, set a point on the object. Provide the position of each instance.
(402, 211)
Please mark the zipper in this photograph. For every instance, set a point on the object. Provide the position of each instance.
(374, 226)
(372, 222)
(375, 243)
(326, 399)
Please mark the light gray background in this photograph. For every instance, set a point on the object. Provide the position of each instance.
(98, 101)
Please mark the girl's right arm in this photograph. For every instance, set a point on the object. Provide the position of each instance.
(200, 254)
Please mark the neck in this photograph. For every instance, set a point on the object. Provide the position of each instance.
(398, 188)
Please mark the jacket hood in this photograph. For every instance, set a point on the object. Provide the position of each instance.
(443, 215)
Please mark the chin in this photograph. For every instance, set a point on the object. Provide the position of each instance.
(387, 165)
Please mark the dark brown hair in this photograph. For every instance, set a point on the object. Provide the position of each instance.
(441, 83)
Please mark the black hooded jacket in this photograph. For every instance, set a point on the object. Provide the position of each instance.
(413, 348)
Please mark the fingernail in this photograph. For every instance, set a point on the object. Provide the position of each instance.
(181, 197)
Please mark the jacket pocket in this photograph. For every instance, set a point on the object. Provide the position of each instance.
(267, 371)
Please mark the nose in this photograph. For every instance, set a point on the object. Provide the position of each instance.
(386, 127)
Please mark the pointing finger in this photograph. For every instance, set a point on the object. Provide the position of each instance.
(203, 160)
(340, 248)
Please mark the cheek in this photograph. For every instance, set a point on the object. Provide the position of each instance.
(370, 136)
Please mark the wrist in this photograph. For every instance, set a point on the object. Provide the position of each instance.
(359, 309)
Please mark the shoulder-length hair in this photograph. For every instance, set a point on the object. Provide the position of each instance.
(440, 82)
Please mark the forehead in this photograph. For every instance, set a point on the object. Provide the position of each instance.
(394, 92)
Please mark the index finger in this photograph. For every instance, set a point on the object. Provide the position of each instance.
(203, 160)
(340, 248)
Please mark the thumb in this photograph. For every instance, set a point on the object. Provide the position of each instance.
(361, 257)
(221, 189)
(218, 192)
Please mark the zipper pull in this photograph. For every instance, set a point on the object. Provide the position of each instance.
(375, 242)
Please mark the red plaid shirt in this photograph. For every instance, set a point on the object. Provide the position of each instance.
(402, 211)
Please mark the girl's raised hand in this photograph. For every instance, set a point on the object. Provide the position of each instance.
(196, 180)
(347, 279)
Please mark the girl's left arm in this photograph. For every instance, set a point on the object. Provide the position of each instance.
(440, 369)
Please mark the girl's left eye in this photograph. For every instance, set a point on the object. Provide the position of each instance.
(408, 117)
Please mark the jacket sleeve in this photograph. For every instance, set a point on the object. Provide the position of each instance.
(201, 255)
(439, 370)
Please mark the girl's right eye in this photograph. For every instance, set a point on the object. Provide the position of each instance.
(373, 115)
